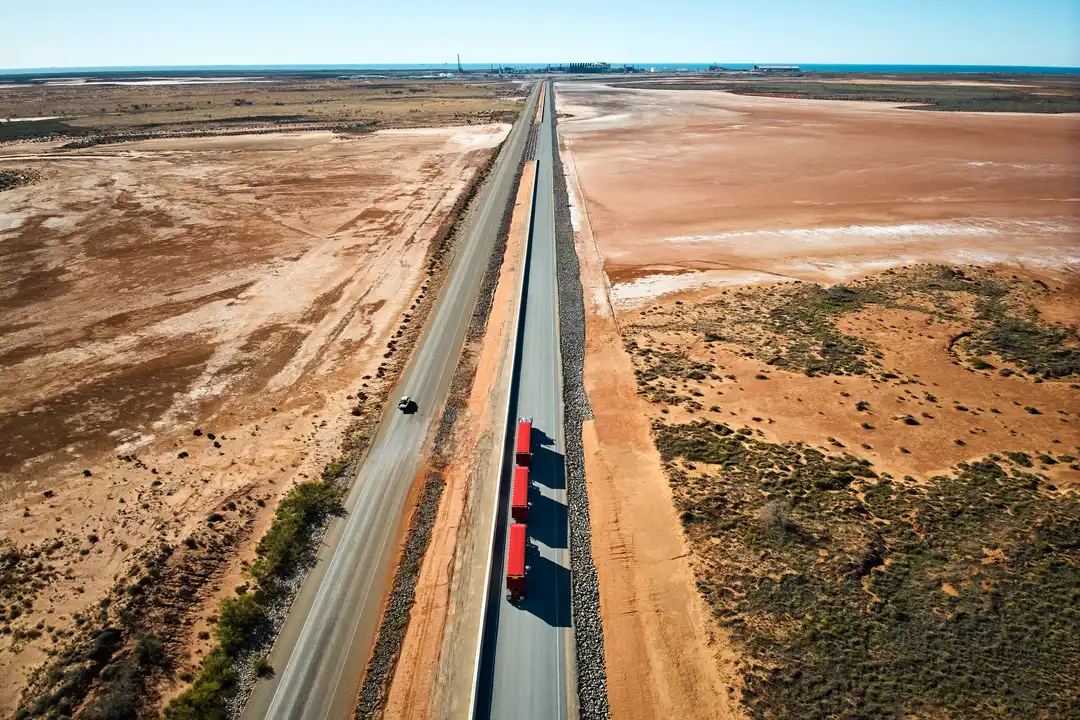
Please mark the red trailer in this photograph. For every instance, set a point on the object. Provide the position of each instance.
(515, 564)
(523, 449)
(519, 496)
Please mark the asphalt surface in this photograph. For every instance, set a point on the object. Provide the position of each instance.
(526, 664)
(324, 644)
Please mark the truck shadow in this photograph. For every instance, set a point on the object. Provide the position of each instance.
(547, 467)
(547, 590)
(541, 438)
(547, 520)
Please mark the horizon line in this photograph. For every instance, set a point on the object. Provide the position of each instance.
(453, 64)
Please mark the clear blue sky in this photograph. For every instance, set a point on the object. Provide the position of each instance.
(66, 33)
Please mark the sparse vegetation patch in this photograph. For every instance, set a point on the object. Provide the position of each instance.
(926, 96)
(239, 618)
(793, 327)
(856, 594)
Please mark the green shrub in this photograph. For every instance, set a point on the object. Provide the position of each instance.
(1020, 458)
(286, 539)
(204, 699)
(262, 667)
(238, 617)
(1044, 349)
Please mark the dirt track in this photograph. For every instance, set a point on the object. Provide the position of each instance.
(245, 287)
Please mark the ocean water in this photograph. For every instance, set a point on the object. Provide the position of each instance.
(450, 67)
(812, 67)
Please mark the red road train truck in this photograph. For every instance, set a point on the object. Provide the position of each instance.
(523, 449)
(515, 564)
(519, 511)
(519, 495)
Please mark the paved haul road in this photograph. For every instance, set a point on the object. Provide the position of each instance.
(527, 668)
(324, 645)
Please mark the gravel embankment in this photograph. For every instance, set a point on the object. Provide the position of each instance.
(531, 143)
(585, 589)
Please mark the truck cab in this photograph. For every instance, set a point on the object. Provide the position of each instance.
(523, 446)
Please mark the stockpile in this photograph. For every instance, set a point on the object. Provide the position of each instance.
(585, 589)
(11, 179)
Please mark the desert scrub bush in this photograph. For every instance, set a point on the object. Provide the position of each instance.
(1007, 325)
(1019, 458)
(124, 692)
(807, 321)
(261, 666)
(776, 518)
(120, 659)
(788, 327)
(1044, 349)
(238, 617)
(794, 327)
(204, 699)
(858, 583)
(673, 366)
(11, 179)
(286, 541)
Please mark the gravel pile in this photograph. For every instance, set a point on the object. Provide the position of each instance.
(11, 179)
(585, 589)
(530, 144)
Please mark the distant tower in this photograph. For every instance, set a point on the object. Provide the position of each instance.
(459, 64)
